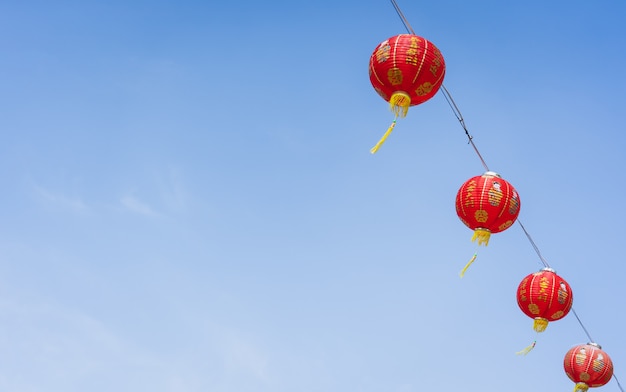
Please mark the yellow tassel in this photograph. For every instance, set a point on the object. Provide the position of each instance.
(581, 387)
(540, 324)
(399, 103)
(462, 273)
(528, 349)
(385, 136)
(481, 236)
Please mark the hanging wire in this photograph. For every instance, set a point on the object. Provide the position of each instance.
(459, 116)
(581, 324)
(618, 383)
(445, 91)
(535, 247)
(407, 26)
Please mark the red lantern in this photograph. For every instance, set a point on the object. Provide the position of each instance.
(405, 70)
(544, 296)
(588, 366)
(487, 204)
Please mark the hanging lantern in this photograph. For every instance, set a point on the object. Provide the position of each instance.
(588, 366)
(544, 296)
(487, 204)
(405, 70)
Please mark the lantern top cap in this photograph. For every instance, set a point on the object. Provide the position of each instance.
(595, 345)
(548, 269)
(491, 174)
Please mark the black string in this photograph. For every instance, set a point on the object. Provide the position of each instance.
(459, 116)
(405, 22)
(545, 263)
(581, 324)
(618, 383)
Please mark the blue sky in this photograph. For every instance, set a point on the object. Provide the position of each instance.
(190, 203)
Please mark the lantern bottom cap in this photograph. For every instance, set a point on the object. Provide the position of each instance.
(540, 324)
(481, 236)
(581, 387)
(399, 103)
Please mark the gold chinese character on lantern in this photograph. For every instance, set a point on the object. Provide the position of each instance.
(394, 75)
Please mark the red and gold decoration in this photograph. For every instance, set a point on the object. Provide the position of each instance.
(486, 204)
(405, 70)
(544, 296)
(588, 366)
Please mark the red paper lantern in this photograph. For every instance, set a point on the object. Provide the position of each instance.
(588, 366)
(487, 204)
(544, 296)
(405, 70)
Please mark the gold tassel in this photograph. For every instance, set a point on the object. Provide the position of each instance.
(540, 324)
(581, 387)
(399, 103)
(385, 136)
(528, 349)
(481, 236)
(462, 273)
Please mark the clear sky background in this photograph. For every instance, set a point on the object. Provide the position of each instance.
(189, 201)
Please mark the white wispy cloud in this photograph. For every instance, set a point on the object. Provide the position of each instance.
(51, 348)
(168, 194)
(133, 204)
(172, 190)
(60, 200)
